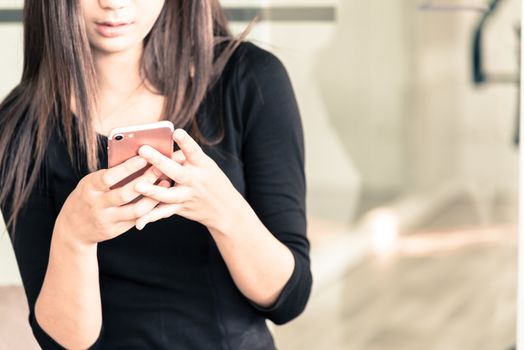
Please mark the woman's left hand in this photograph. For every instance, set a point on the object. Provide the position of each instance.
(202, 192)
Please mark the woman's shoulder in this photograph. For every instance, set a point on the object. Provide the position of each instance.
(250, 61)
(252, 54)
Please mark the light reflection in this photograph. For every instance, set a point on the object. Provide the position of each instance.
(388, 239)
(383, 226)
(441, 242)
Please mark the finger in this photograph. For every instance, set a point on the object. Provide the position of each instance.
(106, 178)
(124, 226)
(166, 165)
(138, 209)
(127, 193)
(178, 157)
(172, 195)
(160, 212)
(188, 146)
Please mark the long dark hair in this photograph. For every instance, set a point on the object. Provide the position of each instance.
(181, 60)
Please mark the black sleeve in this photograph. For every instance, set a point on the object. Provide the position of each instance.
(31, 244)
(273, 158)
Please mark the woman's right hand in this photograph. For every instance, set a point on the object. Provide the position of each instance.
(95, 213)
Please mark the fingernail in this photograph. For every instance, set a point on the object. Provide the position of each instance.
(146, 151)
(140, 162)
(179, 134)
(141, 187)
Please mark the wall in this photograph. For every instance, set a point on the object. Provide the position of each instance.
(460, 132)
(363, 77)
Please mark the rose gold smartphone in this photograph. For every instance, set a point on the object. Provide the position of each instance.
(124, 142)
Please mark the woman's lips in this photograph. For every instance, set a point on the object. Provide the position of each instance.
(112, 29)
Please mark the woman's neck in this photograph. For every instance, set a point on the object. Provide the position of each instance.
(118, 74)
(123, 97)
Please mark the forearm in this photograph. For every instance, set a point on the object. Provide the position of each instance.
(258, 262)
(68, 307)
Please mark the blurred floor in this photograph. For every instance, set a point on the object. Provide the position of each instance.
(15, 333)
(450, 284)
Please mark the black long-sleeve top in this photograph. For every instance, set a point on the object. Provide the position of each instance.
(167, 286)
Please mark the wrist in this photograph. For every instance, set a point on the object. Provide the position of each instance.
(232, 217)
(62, 236)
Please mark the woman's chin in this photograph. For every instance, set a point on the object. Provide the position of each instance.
(115, 47)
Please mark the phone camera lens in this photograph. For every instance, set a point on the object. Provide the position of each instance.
(119, 137)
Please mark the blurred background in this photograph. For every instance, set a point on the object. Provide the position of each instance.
(411, 163)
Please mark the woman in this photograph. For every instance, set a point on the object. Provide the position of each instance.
(198, 265)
